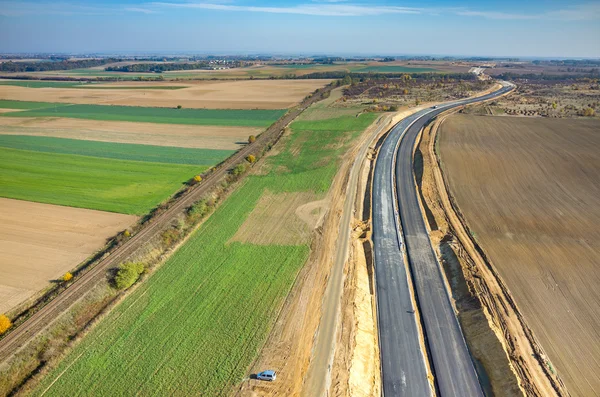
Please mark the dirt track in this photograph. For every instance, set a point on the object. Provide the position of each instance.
(19, 336)
(529, 191)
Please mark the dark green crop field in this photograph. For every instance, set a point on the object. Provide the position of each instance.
(129, 187)
(121, 151)
(10, 104)
(217, 117)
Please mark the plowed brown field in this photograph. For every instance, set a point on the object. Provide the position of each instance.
(41, 242)
(529, 189)
(248, 94)
(191, 136)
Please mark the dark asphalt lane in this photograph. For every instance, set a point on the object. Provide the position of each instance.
(402, 361)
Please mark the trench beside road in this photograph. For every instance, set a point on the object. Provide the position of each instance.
(48, 314)
(398, 228)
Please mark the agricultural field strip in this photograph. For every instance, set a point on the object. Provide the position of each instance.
(40, 242)
(216, 117)
(198, 280)
(80, 84)
(120, 151)
(125, 186)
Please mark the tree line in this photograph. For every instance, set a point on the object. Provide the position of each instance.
(162, 67)
(45, 66)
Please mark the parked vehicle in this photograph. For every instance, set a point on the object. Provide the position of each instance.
(434, 107)
(268, 375)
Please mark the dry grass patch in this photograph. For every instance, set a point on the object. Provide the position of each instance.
(40, 242)
(189, 136)
(282, 219)
(530, 192)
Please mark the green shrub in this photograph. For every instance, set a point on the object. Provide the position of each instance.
(128, 274)
(170, 236)
(238, 170)
(197, 211)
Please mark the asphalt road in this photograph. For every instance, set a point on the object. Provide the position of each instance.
(397, 219)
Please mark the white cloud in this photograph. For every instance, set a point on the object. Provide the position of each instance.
(340, 10)
(142, 10)
(336, 8)
(494, 15)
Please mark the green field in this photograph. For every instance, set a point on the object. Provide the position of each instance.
(9, 104)
(195, 325)
(121, 151)
(217, 117)
(129, 187)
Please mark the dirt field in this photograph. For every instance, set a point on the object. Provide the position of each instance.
(249, 94)
(40, 242)
(283, 218)
(191, 136)
(529, 190)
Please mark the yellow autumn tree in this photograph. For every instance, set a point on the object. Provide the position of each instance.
(5, 324)
(251, 139)
(251, 159)
(66, 277)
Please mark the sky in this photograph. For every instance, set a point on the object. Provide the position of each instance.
(523, 28)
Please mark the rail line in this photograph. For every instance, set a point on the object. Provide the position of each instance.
(44, 317)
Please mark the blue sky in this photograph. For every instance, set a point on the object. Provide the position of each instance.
(523, 28)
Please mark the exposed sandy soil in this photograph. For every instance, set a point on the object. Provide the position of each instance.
(249, 94)
(276, 217)
(40, 242)
(529, 191)
(207, 137)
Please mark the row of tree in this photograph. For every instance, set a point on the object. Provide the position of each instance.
(46, 66)
(161, 67)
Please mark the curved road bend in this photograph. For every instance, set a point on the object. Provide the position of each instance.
(402, 361)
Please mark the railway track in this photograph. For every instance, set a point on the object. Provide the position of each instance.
(44, 317)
